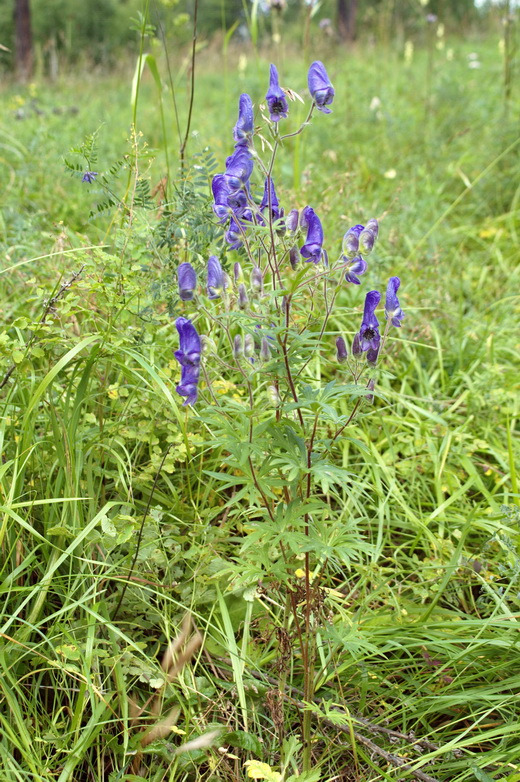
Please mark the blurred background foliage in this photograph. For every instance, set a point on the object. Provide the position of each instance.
(100, 32)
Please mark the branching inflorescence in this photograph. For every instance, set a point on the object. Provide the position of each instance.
(276, 244)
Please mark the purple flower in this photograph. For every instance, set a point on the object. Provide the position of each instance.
(320, 87)
(351, 241)
(276, 211)
(188, 357)
(276, 100)
(89, 176)
(369, 337)
(216, 282)
(355, 267)
(221, 194)
(239, 167)
(393, 310)
(312, 250)
(244, 128)
(187, 280)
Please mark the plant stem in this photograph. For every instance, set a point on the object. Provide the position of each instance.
(182, 150)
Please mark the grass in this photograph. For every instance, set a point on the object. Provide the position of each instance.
(419, 635)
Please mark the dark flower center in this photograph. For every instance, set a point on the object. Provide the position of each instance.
(277, 107)
(369, 334)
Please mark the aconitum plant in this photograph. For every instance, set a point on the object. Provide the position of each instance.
(265, 369)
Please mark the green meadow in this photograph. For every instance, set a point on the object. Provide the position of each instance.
(129, 648)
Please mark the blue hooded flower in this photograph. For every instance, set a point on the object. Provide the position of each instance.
(245, 126)
(216, 282)
(369, 337)
(235, 232)
(233, 235)
(188, 357)
(187, 280)
(227, 202)
(239, 167)
(276, 100)
(89, 176)
(355, 267)
(276, 211)
(221, 193)
(393, 309)
(312, 250)
(320, 87)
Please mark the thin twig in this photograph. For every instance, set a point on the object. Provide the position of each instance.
(48, 307)
(192, 87)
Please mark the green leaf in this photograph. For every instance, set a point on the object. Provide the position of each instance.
(481, 775)
(243, 740)
(18, 356)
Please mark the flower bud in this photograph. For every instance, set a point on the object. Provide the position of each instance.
(366, 241)
(341, 350)
(370, 387)
(291, 221)
(187, 280)
(207, 344)
(257, 280)
(372, 354)
(351, 241)
(373, 226)
(274, 396)
(237, 347)
(356, 346)
(249, 346)
(238, 273)
(216, 279)
(243, 300)
(294, 257)
(265, 351)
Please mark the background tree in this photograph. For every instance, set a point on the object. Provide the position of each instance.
(23, 39)
(347, 13)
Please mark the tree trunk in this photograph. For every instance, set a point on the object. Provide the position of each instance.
(23, 39)
(347, 12)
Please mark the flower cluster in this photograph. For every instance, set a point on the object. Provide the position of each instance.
(358, 241)
(238, 208)
(368, 338)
